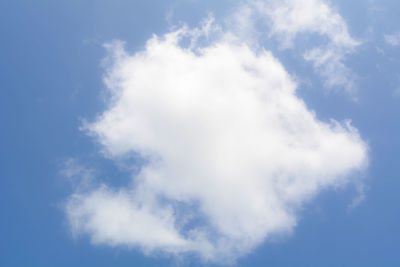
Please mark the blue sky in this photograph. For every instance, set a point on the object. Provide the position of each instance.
(62, 163)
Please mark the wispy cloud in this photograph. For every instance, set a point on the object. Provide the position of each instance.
(288, 19)
(79, 176)
(392, 39)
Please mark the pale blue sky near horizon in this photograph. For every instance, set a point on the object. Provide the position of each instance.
(51, 53)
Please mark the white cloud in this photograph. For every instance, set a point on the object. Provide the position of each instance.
(360, 197)
(392, 39)
(80, 177)
(123, 218)
(329, 62)
(232, 152)
(288, 19)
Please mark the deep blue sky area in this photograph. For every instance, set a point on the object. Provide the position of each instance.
(51, 80)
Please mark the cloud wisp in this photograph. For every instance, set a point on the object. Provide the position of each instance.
(392, 39)
(231, 151)
(288, 19)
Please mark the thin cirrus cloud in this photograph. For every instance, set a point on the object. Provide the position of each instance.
(289, 19)
(392, 39)
(231, 151)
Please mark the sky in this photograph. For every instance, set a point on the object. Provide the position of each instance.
(199, 133)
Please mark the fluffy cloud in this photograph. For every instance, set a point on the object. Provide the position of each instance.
(231, 152)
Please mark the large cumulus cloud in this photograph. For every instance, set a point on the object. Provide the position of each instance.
(230, 151)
